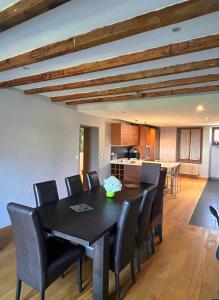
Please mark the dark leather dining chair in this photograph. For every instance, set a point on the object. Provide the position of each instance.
(157, 208)
(45, 192)
(40, 261)
(92, 180)
(150, 173)
(144, 232)
(74, 185)
(215, 214)
(122, 244)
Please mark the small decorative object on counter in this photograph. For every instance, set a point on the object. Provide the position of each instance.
(112, 185)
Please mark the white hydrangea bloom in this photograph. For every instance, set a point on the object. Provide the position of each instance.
(112, 184)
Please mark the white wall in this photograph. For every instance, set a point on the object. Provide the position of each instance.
(215, 161)
(206, 149)
(93, 148)
(168, 142)
(39, 141)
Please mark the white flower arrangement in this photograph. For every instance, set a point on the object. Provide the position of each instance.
(112, 184)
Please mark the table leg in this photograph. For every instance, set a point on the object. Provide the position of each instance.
(172, 184)
(101, 268)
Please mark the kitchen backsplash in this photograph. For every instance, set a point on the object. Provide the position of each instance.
(122, 152)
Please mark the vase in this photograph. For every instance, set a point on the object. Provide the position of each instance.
(110, 194)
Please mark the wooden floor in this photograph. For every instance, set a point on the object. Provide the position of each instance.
(183, 267)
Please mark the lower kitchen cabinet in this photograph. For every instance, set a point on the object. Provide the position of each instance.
(117, 170)
(126, 172)
(132, 173)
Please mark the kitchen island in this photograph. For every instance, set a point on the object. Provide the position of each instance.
(130, 170)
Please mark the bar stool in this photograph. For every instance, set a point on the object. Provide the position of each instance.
(174, 175)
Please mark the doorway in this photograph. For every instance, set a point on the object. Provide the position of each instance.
(89, 151)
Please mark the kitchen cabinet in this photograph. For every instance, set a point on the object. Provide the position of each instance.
(123, 134)
(126, 172)
(147, 139)
(117, 170)
(132, 173)
(135, 135)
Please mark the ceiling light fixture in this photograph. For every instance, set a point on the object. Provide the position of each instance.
(140, 93)
(200, 108)
(176, 29)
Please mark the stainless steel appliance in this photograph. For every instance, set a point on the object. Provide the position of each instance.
(133, 154)
(148, 152)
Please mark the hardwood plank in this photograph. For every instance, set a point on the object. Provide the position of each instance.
(189, 46)
(187, 67)
(24, 10)
(183, 266)
(145, 22)
(183, 91)
(139, 87)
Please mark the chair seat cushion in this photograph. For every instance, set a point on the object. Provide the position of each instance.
(61, 255)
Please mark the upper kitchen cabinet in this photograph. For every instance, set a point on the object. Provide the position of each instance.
(124, 134)
(135, 135)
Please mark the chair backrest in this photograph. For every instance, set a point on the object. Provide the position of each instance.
(214, 213)
(92, 180)
(157, 208)
(45, 192)
(74, 185)
(150, 173)
(144, 217)
(30, 244)
(125, 234)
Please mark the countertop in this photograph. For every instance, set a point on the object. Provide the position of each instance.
(139, 162)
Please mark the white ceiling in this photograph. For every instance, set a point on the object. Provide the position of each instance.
(6, 3)
(163, 111)
(77, 17)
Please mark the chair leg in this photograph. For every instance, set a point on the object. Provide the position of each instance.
(42, 295)
(79, 274)
(147, 249)
(138, 260)
(149, 244)
(152, 242)
(18, 289)
(133, 270)
(160, 232)
(117, 286)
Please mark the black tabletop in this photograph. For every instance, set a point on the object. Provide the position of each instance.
(86, 227)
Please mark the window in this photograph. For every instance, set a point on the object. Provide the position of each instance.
(215, 136)
(190, 145)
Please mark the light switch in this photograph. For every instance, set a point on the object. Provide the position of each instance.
(76, 156)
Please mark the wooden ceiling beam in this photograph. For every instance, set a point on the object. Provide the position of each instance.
(148, 21)
(22, 11)
(185, 47)
(183, 91)
(139, 87)
(176, 69)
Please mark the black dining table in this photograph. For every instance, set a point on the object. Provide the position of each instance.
(90, 227)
